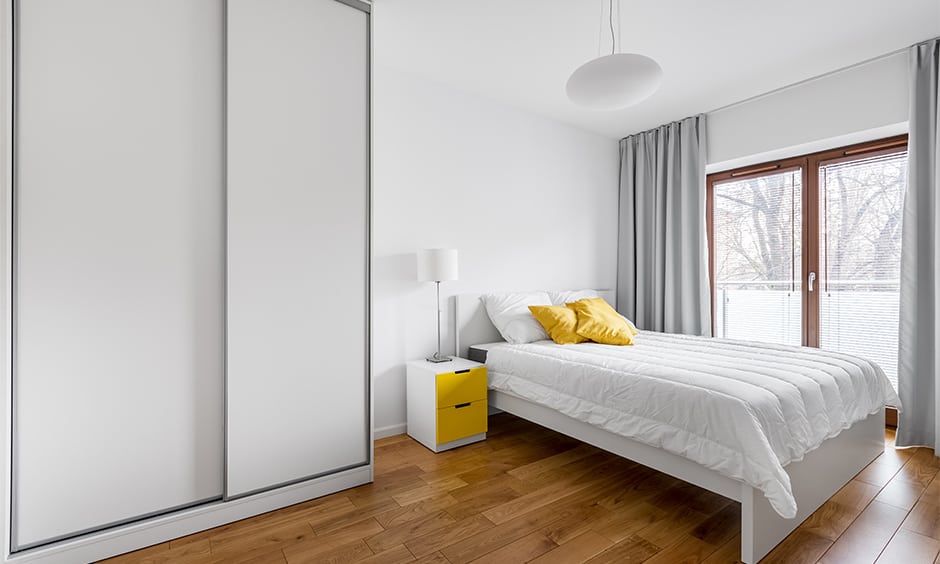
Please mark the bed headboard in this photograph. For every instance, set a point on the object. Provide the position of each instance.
(472, 326)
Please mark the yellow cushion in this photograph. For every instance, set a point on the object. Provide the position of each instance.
(560, 322)
(601, 323)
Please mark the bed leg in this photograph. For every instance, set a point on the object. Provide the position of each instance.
(814, 480)
(761, 527)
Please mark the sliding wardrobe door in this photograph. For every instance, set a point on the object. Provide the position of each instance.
(118, 269)
(298, 224)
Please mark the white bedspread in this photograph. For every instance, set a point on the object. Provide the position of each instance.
(743, 409)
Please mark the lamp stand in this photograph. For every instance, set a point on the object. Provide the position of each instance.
(436, 357)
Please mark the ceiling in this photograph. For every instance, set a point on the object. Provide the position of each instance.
(713, 52)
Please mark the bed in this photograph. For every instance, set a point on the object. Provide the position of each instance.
(774, 501)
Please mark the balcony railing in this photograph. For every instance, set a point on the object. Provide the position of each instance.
(857, 317)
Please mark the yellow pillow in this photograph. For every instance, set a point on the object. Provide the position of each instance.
(560, 322)
(601, 323)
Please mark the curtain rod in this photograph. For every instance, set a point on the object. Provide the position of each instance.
(812, 79)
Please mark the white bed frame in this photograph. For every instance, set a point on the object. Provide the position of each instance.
(814, 480)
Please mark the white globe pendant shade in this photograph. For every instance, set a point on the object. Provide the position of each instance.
(614, 81)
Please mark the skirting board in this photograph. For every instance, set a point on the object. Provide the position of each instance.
(160, 529)
(814, 480)
(390, 431)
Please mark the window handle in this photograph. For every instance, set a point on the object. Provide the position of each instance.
(812, 278)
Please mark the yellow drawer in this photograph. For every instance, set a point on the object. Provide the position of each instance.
(461, 420)
(461, 386)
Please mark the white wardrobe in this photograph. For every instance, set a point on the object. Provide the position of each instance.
(188, 266)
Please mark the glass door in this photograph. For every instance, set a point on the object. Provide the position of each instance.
(807, 251)
(860, 207)
(758, 255)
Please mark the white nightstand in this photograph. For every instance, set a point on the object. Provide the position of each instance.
(446, 403)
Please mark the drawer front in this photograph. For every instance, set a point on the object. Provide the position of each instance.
(461, 420)
(461, 387)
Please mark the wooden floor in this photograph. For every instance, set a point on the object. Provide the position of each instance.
(529, 494)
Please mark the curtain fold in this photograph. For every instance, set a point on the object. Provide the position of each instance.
(662, 266)
(919, 338)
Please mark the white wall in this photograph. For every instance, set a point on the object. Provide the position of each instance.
(529, 203)
(861, 103)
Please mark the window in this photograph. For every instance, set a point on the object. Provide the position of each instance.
(807, 250)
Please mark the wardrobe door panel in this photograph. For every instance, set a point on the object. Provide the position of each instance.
(297, 84)
(118, 273)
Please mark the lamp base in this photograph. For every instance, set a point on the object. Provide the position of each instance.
(435, 358)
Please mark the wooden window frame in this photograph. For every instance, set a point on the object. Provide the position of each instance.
(809, 237)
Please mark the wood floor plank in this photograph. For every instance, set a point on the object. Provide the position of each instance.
(901, 493)
(561, 459)
(436, 558)
(584, 479)
(398, 534)
(524, 549)
(727, 553)
(254, 556)
(627, 551)
(428, 490)
(581, 466)
(628, 521)
(838, 513)
(720, 526)
(270, 537)
(395, 555)
(324, 525)
(491, 539)
(427, 544)
(932, 492)
(648, 484)
(344, 554)
(689, 550)
(343, 541)
(681, 521)
(867, 536)
(908, 547)
(919, 469)
(880, 471)
(189, 552)
(575, 524)
(417, 510)
(579, 549)
(830, 520)
(693, 497)
(472, 500)
(800, 547)
(924, 518)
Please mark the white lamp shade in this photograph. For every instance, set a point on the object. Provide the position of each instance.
(614, 81)
(435, 265)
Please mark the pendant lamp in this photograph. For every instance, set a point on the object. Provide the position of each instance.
(614, 81)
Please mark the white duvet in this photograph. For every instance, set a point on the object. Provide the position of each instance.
(743, 409)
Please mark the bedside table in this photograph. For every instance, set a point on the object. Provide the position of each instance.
(446, 403)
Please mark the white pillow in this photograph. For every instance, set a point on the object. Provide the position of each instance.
(510, 314)
(567, 296)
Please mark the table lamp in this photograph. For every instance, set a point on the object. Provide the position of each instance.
(437, 265)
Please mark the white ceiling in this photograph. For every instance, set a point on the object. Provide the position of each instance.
(713, 52)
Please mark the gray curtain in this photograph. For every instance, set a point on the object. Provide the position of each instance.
(919, 349)
(662, 272)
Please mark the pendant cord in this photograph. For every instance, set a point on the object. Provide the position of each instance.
(619, 27)
(613, 38)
